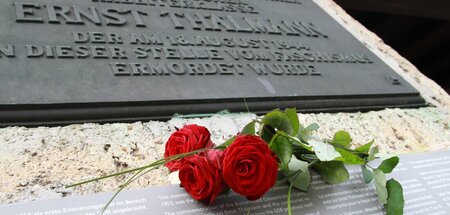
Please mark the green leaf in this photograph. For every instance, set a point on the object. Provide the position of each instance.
(279, 120)
(313, 127)
(349, 157)
(291, 113)
(367, 174)
(296, 142)
(395, 201)
(302, 148)
(380, 185)
(298, 174)
(266, 133)
(342, 138)
(305, 133)
(372, 152)
(333, 172)
(299, 179)
(297, 164)
(389, 164)
(365, 148)
(283, 149)
(324, 151)
(249, 128)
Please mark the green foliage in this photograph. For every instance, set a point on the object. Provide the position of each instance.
(291, 113)
(266, 133)
(395, 201)
(380, 185)
(304, 134)
(349, 157)
(342, 138)
(283, 149)
(300, 149)
(296, 143)
(365, 148)
(249, 128)
(389, 164)
(333, 172)
(298, 174)
(313, 127)
(372, 152)
(367, 174)
(324, 151)
(278, 120)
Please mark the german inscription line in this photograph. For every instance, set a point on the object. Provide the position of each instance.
(160, 54)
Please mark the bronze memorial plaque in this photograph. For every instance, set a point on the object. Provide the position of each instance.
(65, 61)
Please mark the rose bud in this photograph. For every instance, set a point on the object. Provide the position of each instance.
(187, 139)
(250, 168)
(201, 178)
(215, 157)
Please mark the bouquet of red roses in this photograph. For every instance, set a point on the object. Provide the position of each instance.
(249, 162)
(247, 165)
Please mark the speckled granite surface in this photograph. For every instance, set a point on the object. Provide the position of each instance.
(36, 163)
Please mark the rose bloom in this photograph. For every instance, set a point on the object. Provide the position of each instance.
(202, 178)
(250, 168)
(187, 139)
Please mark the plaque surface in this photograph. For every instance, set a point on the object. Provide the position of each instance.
(424, 178)
(118, 60)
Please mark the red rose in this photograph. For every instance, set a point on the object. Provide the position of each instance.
(201, 178)
(250, 168)
(187, 139)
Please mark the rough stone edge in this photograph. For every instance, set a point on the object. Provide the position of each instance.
(430, 91)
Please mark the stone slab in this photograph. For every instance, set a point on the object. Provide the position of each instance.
(62, 63)
(38, 162)
(423, 176)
